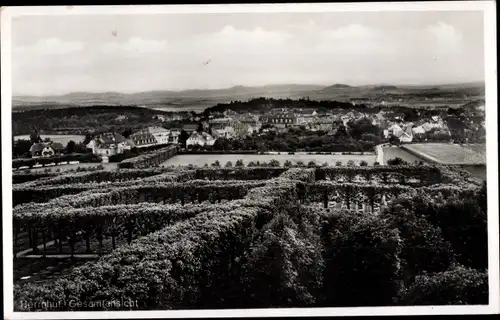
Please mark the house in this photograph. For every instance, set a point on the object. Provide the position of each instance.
(48, 149)
(143, 139)
(189, 128)
(281, 120)
(161, 135)
(108, 144)
(174, 136)
(394, 130)
(160, 117)
(201, 139)
(407, 135)
(419, 130)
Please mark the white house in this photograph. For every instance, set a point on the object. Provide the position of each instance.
(407, 135)
(201, 139)
(109, 144)
(161, 135)
(419, 130)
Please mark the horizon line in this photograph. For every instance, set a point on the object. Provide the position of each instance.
(255, 86)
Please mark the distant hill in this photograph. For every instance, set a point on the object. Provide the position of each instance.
(200, 99)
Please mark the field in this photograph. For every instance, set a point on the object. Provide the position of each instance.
(393, 152)
(445, 153)
(200, 160)
(248, 237)
(64, 139)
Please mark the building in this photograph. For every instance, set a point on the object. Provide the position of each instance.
(143, 139)
(161, 135)
(189, 128)
(407, 135)
(200, 139)
(44, 150)
(108, 144)
(282, 120)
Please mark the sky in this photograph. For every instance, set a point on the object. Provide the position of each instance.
(134, 53)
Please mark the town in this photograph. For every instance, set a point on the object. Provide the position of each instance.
(284, 129)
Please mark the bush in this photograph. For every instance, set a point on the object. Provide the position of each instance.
(459, 285)
(288, 164)
(351, 163)
(216, 163)
(274, 163)
(376, 163)
(284, 267)
(251, 164)
(300, 163)
(239, 163)
(229, 164)
(311, 164)
(363, 163)
(338, 163)
(397, 161)
(325, 164)
(362, 260)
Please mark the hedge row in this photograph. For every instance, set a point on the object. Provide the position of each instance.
(168, 269)
(120, 221)
(166, 192)
(86, 157)
(149, 159)
(324, 191)
(18, 178)
(100, 176)
(239, 173)
(423, 174)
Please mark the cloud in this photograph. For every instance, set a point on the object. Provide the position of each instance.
(137, 45)
(354, 31)
(445, 33)
(50, 46)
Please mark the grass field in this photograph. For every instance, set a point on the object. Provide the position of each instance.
(200, 160)
(396, 152)
(446, 153)
(61, 138)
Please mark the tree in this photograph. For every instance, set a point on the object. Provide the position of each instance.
(126, 134)
(363, 163)
(21, 148)
(229, 164)
(183, 138)
(200, 127)
(251, 164)
(288, 164)
(394, 140)
(338, 163)
(311, 164)
(274, 163)
(325, 164)
(300, 163)
(397, 161)
(376, 163)
(35, 137)
(457, 286)
(239, 163)
(71, 147)
(350, 163)
(216, 163)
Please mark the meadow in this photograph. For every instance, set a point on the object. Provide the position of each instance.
(61, 138)
(446, 153)
(200, 160)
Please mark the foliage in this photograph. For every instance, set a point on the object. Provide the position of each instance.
(457, 286)
(397, 161)
(362, 260)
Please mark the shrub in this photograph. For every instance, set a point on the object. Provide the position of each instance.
(300, 163)
(363, 163)
(251, 164)
(288, 163)
(362, 260)
(229, 164)
(239, 163)
(325, 164)
(274, 163)
(284, 267)
(397, 161)
(459, 285)
(216, 163)
(350, 163)
(338, 163)
(311, 164)
(376, 163)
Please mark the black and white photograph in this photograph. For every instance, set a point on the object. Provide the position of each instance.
(250, 160)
